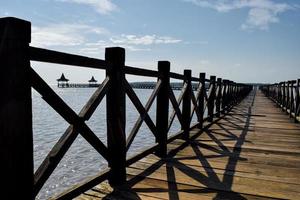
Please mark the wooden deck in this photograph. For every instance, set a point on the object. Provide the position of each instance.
(252, 153)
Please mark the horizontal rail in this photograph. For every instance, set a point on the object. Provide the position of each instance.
(56, 57)
(195, 79)
(140, 72)
(176, 76)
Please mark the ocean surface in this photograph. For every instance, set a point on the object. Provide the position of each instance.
(82, 161)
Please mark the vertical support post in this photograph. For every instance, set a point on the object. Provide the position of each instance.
(201, 100)
(211, 98)
(279, 94)
(224, 95)
(234, 92)
(297, 99)
(186, 105)
(16, 140)
(230, 93)
(291, 98)
(162, 107)
(287, 97)
(218, 98)
(115, 112)
(283, 96)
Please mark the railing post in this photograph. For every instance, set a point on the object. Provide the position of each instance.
(186, 105)
(230, 93)
(115, 112)
(224, 95)
(279, 94)
(218, 98)
(211, 98)
(288, 97)
(283, 96)
(291, 98)
(297, 99)
(162, 107)
(16, 140)
(201, 100)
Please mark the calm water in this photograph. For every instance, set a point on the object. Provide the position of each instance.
(81, 161)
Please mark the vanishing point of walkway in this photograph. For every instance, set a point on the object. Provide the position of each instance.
(251, 153)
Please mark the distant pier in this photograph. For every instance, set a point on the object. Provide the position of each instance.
(63, 82)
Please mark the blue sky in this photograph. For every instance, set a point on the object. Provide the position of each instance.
(241, 40)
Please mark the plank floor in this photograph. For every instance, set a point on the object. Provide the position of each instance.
(251, 153)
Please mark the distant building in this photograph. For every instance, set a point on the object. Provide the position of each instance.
(92, 82)
(62, 81)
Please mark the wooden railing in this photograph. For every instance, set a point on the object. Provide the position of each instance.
(287, 96)
(17, 78)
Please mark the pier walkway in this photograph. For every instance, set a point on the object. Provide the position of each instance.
(251, 153)
(244, 146)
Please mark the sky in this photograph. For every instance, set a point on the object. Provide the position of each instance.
(245, 41)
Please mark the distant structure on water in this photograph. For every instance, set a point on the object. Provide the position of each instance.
(63, 82)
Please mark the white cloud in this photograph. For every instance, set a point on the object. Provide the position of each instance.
(143, 40)
(261, 13)
(99, 46)
(62, 34)
(101, 6)
(204, 62)
(259, 18)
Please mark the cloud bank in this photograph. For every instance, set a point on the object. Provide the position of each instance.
(101, 6)
(261, 14)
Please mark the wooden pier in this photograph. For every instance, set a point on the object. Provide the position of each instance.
(253, 152)
(246, 147)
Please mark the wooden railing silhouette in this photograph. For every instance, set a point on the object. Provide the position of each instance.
(17, 78)
(287, 96)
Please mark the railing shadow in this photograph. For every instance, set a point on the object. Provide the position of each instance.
(210, 182)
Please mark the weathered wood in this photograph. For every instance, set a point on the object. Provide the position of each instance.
(45, 55)
(186, 105)
(175, 106)
(194, 99)
(179, 100)
(61, 147)
(211, 98)
(139, 121)
(83, 186)
(297, 100)
(67, 113)
(162, 107)
(140, 108)
(224, 95)
(116, 116)
(238, 157)
(285, 95)
(218, 97)
(201, 100)
(15, 52)
(177, 76)
(16, 143)
(140, 71)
